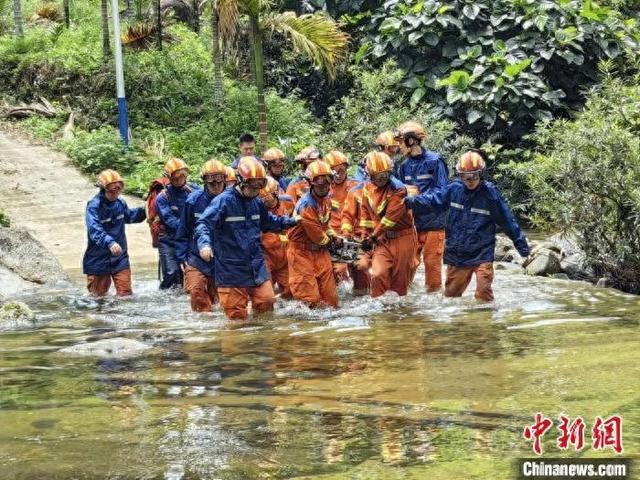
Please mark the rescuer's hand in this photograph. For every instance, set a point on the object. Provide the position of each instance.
(116, 249)
(206, 254)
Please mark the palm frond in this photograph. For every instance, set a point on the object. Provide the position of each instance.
(314, 35)
(228, 18)
(142, 36)
(49, 11)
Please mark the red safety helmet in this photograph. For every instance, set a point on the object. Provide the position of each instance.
(470, 162)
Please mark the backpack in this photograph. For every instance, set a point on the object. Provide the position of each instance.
(155, 226)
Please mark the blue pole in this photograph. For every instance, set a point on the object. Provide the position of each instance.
(123, 118)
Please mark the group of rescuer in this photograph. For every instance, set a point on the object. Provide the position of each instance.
(250, 229)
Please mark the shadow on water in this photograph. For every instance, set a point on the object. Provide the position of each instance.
(380, 388)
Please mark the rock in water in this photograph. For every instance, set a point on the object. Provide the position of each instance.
(15, 311)
(117, 348)
(545, 262)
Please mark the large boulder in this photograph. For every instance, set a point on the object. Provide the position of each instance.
(21, 253)
(16, 311)
(505, 251)
(544, 262)
(112, 348)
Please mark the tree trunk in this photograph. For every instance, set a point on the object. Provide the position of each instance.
(259, 76)
(158, 25)
(217, 58)
(106, 48)
(196, 16)
(129, 12)
(17, 18)
(67, 13)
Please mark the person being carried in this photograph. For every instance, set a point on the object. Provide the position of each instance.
(424, 171)
(228, 232)
(199, 277)
(393, 239)
(310, 271)
(275, 244)
(169, 205)
(106, 257)
(475, 207)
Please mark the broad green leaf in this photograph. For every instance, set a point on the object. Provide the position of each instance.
(473, 116)
(417, 96)
(471, 11)
(413, 36)
(515, 69)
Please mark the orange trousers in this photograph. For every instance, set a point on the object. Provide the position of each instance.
(98, 285)
(360, 274)
(201, 288)
(431, 249)
(393, 263)
(311, 276)
(234, 300)
(458, 279)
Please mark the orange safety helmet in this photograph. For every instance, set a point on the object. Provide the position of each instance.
(213, 167)
(230, 174)
(470, 162)
(174, 165)
(386, 139)
(107, 177)
(272, 187)
(378, 162)
(413, 129)
(273, 154)
(335, 158)
(249, 168)
(308, 153)
(316, 169)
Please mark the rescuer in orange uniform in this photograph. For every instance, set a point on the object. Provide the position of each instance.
(299, 185)
(352, 228)
(339, 190)
(310, 272)
(274, 245)
(393, 240)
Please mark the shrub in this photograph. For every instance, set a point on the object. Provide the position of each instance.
(376, 105)
(4, 220)
(584, 180)
(43, 128)
(94, 151)
(498, 66)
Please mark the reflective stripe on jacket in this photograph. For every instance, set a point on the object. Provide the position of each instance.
(105, 222)
(428, 173)
(471, 222)
(231, 225)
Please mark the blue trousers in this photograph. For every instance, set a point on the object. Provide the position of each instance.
(169, 265)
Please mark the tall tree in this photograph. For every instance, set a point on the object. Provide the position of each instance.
(67, 13)
(314, 35)
(17, 18)
(196, 16)
(158, 12)
(216, 53)
(104, 12)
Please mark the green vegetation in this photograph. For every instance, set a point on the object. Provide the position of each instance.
(585, 179)
(508, 76)
(4, 220)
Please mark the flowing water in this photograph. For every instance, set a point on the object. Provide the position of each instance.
(415, 387)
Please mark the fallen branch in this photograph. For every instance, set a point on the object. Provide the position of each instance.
(43, 108)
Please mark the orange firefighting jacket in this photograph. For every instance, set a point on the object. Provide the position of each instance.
(313, 215)
(383, 209)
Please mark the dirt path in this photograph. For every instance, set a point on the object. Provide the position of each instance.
(43, 192)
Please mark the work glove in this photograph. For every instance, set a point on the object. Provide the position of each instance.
(337, 242)
(206, 254)
(116, 249)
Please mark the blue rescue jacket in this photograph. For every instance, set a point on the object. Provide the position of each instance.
(232, 225)
(471, 222)
(428, 173)
(169, 204)
(283, 182)
(361, 174)
(105, 226)
(186, 246)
